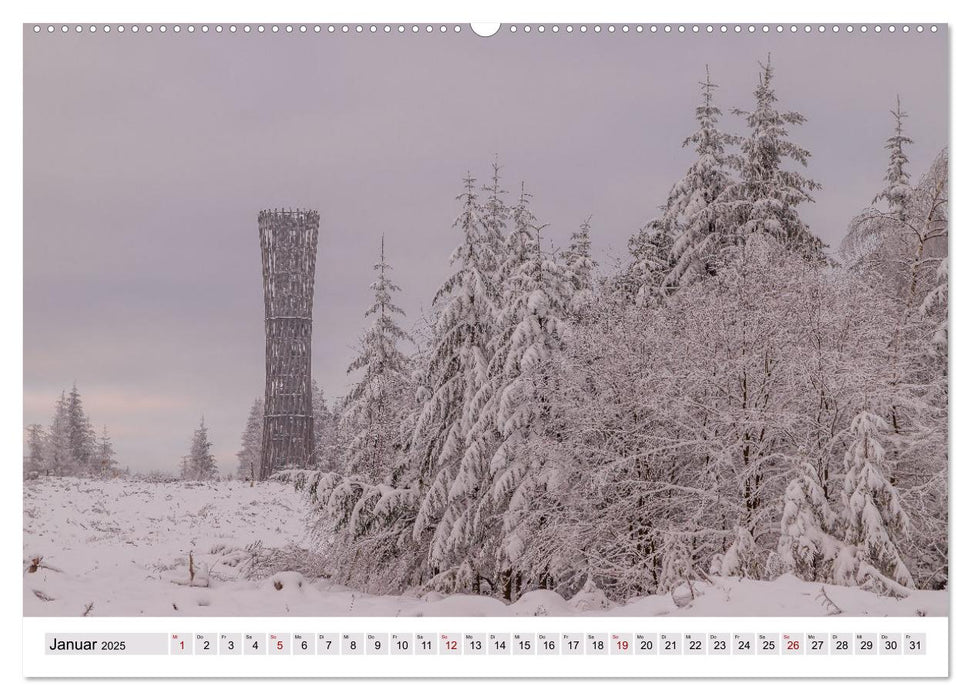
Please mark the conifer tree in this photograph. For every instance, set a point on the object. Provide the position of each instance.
(81, 436)
(328, 445)
(34, 452)
(473, 520)
(766, 199)
(743, 559)
(512, 408)
(495, 218)
(252, 443)
(105, 457)
(806, 546)
(456, 367)
(872, 512)
(578, 266)
(897, 192)
(695, 216)
(650, 250)
(935, 308)
(59, 460)
(373, 409)
(200, 465)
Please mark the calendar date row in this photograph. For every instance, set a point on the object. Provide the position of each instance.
(492, 644)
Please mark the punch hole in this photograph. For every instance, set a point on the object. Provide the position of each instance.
(485, 29)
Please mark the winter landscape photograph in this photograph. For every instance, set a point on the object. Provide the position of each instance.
(422, 323)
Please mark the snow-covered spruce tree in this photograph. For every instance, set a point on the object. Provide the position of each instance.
(375, 406)
(375, 548)
(251, 443)
(81, 436)
(498, 473)
(58, 457)
(644, 280)
(695, 216)
(200, 465)
(494, 221)
(744, 558)
(328, 437)
(456, 368)
(934, 307)
(765, 200)
(897, 192)
(105, 456)
(534, 327)
(34, 450)
(364, 528)
(806, 544)
(874, 519)
(579, 267)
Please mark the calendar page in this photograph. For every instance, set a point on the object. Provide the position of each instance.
(490, 350)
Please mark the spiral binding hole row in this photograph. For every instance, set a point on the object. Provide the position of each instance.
(512, 28)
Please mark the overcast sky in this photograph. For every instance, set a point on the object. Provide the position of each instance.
(147, 158)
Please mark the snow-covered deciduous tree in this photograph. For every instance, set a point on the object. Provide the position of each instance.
(677, 564)
(199, 464)
(903, 256)
(375, 406)
(872, 512)
(765, 201)
(251, 443)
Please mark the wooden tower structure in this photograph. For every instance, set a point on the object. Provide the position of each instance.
(288, 239)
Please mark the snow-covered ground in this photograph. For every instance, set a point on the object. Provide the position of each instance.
(122, 548)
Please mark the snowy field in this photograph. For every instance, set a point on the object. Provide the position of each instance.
(122, 548)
